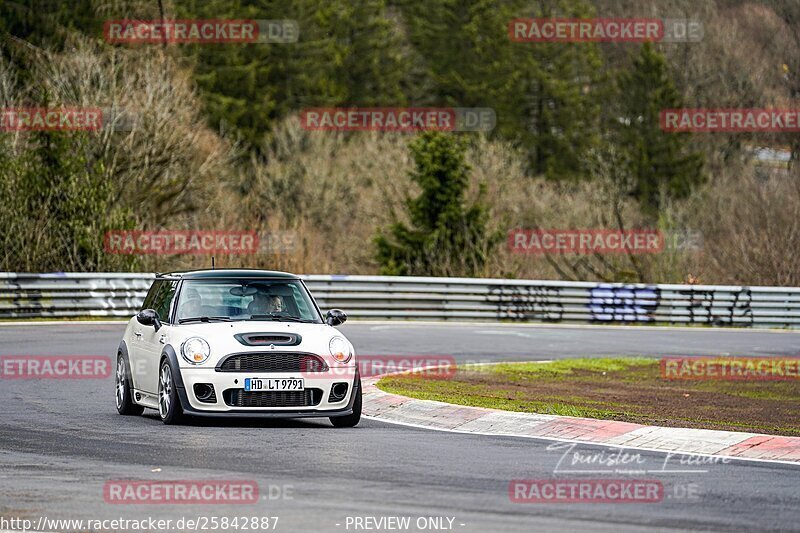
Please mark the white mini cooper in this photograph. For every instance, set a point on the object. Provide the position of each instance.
(249, 343)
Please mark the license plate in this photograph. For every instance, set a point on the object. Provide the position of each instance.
(269, 384)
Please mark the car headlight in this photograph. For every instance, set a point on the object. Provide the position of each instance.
(196, 350)
(340, 349)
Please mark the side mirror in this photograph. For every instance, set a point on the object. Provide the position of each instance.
(148, 317)
(335, 317)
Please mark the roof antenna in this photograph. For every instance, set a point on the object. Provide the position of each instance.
(212, 262)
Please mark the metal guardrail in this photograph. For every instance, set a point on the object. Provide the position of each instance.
(387, 297)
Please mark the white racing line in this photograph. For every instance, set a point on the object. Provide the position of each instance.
(585, 442)
(374, 379)
(514, 333)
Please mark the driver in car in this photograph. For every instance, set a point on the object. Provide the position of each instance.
(275, 304)
(263, 304)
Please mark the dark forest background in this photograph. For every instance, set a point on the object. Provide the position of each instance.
(215, 143)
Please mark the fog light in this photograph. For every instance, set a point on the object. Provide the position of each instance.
(338, 392)
(204, 392)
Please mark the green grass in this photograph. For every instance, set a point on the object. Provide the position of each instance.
(586, 388)
(562, 368)
(453, 391)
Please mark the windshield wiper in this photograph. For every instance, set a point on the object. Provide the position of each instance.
(204, 319)
(280, 318)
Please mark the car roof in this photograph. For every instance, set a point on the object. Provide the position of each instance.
(229, 273)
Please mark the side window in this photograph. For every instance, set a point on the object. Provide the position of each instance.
(163, 299)
(301, 303)
(151, 295)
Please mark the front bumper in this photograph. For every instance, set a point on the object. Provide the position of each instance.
(223, 381)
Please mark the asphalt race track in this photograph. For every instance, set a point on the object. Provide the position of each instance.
(61, 440)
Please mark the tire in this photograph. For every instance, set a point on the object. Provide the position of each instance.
(169, 405)
(123, 390)
(349, 421)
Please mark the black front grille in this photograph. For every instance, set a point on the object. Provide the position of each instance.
(273, 362)
(298, 398)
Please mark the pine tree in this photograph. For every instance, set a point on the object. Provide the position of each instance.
(347, 54)
(544, 94)
(662, 166)
(445, 236)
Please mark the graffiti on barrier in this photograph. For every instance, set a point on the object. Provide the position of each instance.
(624, 303)
(705, 307)
(22, 301)
(534, 302)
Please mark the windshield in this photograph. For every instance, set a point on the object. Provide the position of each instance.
(272, 300)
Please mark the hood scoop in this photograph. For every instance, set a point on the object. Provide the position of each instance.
(266, 339)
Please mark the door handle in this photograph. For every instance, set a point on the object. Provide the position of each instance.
(138, 334)
(163, 339)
